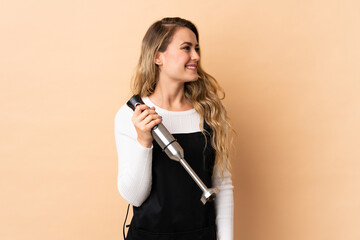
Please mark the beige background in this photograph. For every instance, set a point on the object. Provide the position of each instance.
(291, 73)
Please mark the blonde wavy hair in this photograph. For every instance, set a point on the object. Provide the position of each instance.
(205, 94)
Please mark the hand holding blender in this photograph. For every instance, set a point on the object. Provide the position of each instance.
(174, 151)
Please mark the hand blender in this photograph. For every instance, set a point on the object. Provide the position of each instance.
(175, 152)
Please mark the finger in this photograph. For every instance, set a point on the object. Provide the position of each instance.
(140, 108)
(156, 119)
(146, 113)
(150, 118)
(154, 123)
(138, 111)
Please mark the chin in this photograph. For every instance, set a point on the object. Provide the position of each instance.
(195, 78)
(192, 80)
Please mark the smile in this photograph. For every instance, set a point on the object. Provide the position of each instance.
(191, 67)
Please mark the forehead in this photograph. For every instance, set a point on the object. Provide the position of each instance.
(184, 35)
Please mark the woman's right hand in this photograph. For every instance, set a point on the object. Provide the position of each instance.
(144, 119)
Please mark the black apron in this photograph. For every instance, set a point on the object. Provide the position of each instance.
(173, 210)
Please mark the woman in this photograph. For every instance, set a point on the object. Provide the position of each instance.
(181, 95)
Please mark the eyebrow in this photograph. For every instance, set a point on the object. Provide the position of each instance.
(189, 43)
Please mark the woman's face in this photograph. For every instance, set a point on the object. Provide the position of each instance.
(180, 60)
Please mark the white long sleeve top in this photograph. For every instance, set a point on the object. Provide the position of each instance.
(135, 163)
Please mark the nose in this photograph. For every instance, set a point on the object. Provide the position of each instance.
(195, 56)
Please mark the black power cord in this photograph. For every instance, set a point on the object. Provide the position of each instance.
(127, 212)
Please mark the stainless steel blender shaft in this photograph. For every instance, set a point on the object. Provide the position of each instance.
(175, 152)
(172, 148)
(208, 194)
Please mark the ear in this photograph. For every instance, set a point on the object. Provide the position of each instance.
(158, 59)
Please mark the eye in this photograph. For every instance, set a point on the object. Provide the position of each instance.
(188, 48)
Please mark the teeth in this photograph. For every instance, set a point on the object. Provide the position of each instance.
(191, 67)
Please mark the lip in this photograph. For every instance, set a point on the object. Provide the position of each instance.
(194, 67)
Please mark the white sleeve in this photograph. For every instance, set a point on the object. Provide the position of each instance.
(134, 160)
(224, 206)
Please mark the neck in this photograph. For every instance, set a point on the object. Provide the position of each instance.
(171, 96)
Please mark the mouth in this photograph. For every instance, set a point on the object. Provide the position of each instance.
(192, 67)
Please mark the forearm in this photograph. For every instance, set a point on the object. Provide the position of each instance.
(134, 161)
(134, 172)
(224, 205)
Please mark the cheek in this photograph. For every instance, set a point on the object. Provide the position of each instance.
(176, 58)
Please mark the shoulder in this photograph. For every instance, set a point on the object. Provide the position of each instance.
(124, 111)
(123, 123)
